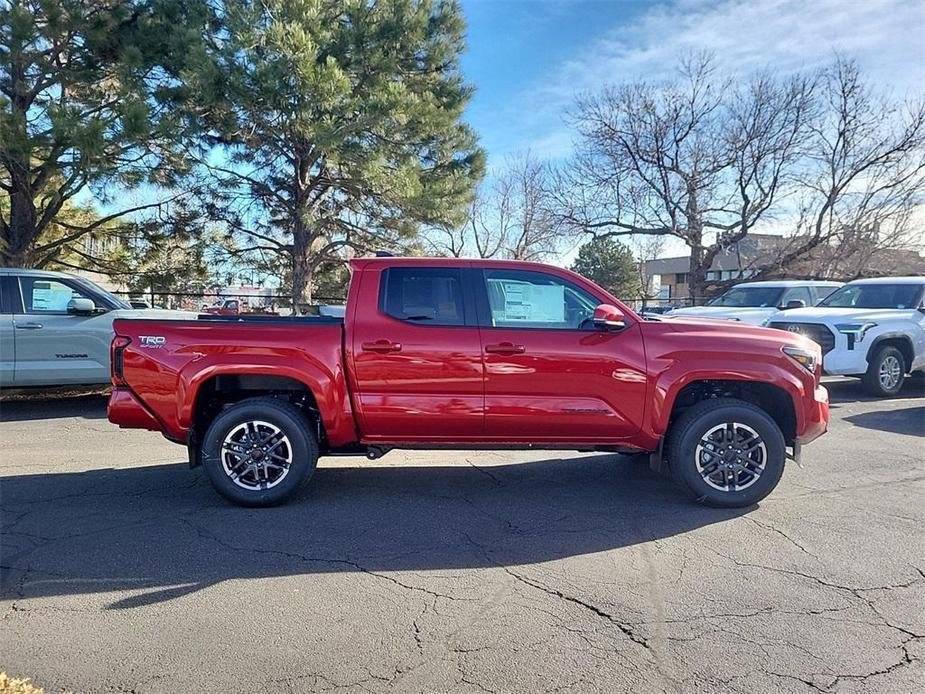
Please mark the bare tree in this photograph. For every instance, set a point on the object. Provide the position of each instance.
(861, 178)
(702, 159)
(511, 216)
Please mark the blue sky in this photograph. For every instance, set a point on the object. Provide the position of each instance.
(514, 46)
(528, 58)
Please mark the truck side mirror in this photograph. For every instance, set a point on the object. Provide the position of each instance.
(608, 318)
(81, 307)
(794, 303)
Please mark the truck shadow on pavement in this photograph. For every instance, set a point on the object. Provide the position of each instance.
(845, 390)
(909, 421)
(48, 407)
(152, 534)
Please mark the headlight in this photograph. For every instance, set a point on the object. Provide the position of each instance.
(856, 330)
(804, 357)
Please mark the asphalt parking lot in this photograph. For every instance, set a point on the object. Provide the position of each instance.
(460, 572)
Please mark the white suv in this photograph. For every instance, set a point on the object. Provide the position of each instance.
(872, 328)
(755, 302)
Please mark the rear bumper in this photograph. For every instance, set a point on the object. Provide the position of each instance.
(816, 416)
(127, 411)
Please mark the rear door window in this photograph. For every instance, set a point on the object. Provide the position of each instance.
(428, 296)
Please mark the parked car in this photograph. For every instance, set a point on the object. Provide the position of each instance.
(449, 353)
(226, 307)
(755, 302)
(871, 328)
(656, 310)
(56, 328)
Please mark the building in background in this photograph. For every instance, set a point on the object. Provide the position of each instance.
(668, 276)
(852, 256)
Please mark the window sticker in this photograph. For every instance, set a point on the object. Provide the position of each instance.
(530, 303)
(50, 296)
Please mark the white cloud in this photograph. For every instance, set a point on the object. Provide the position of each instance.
(885, 36)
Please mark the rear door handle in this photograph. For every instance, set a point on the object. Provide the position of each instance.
(382, 346)
(29, 326)
(505, 348)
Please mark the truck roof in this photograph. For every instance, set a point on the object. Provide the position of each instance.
(392, 261)
(791, 283)
(32, 271)
(912, 279)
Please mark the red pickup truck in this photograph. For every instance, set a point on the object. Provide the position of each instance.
(448, 353)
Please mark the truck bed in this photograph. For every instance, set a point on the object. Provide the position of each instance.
(165, 366)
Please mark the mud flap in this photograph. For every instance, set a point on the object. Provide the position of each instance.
(796, 454)
(657, 462)
(192, 449)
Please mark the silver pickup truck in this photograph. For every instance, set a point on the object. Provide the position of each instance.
(56, 328)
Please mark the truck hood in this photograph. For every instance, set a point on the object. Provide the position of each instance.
(753, 315)
(735, 336)
(832, 315)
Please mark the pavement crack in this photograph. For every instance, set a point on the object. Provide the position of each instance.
(323, 560)
(627, 630)
(772, 528)
(497, 480)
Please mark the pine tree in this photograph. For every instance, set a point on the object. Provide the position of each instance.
(86, 100)
(339, 123)
(610, 264)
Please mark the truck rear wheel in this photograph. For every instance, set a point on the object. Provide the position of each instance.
(885, 372)
(728, 452)
(258, 452)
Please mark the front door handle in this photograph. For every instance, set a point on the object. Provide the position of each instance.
(382, 346)
(29, 326)
(505, 348)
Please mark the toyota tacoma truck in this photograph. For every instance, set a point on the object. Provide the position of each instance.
(460, 354)
(873, 329)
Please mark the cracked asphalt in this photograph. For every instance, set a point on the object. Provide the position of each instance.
(460, 572)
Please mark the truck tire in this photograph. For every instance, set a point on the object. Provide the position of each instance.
(259, 451)
(727, 452)
(886, 372)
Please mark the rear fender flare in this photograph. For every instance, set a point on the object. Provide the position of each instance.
(328, 388)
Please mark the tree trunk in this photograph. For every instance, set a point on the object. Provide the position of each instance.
(696, 277)
(697, 274)
(302, 268)
(21, 230)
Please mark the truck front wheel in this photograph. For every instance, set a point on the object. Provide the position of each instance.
(259, 451)
(728, 452)
(885, 373)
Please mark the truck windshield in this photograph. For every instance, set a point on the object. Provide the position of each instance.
(743, 297)
(875, 296)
